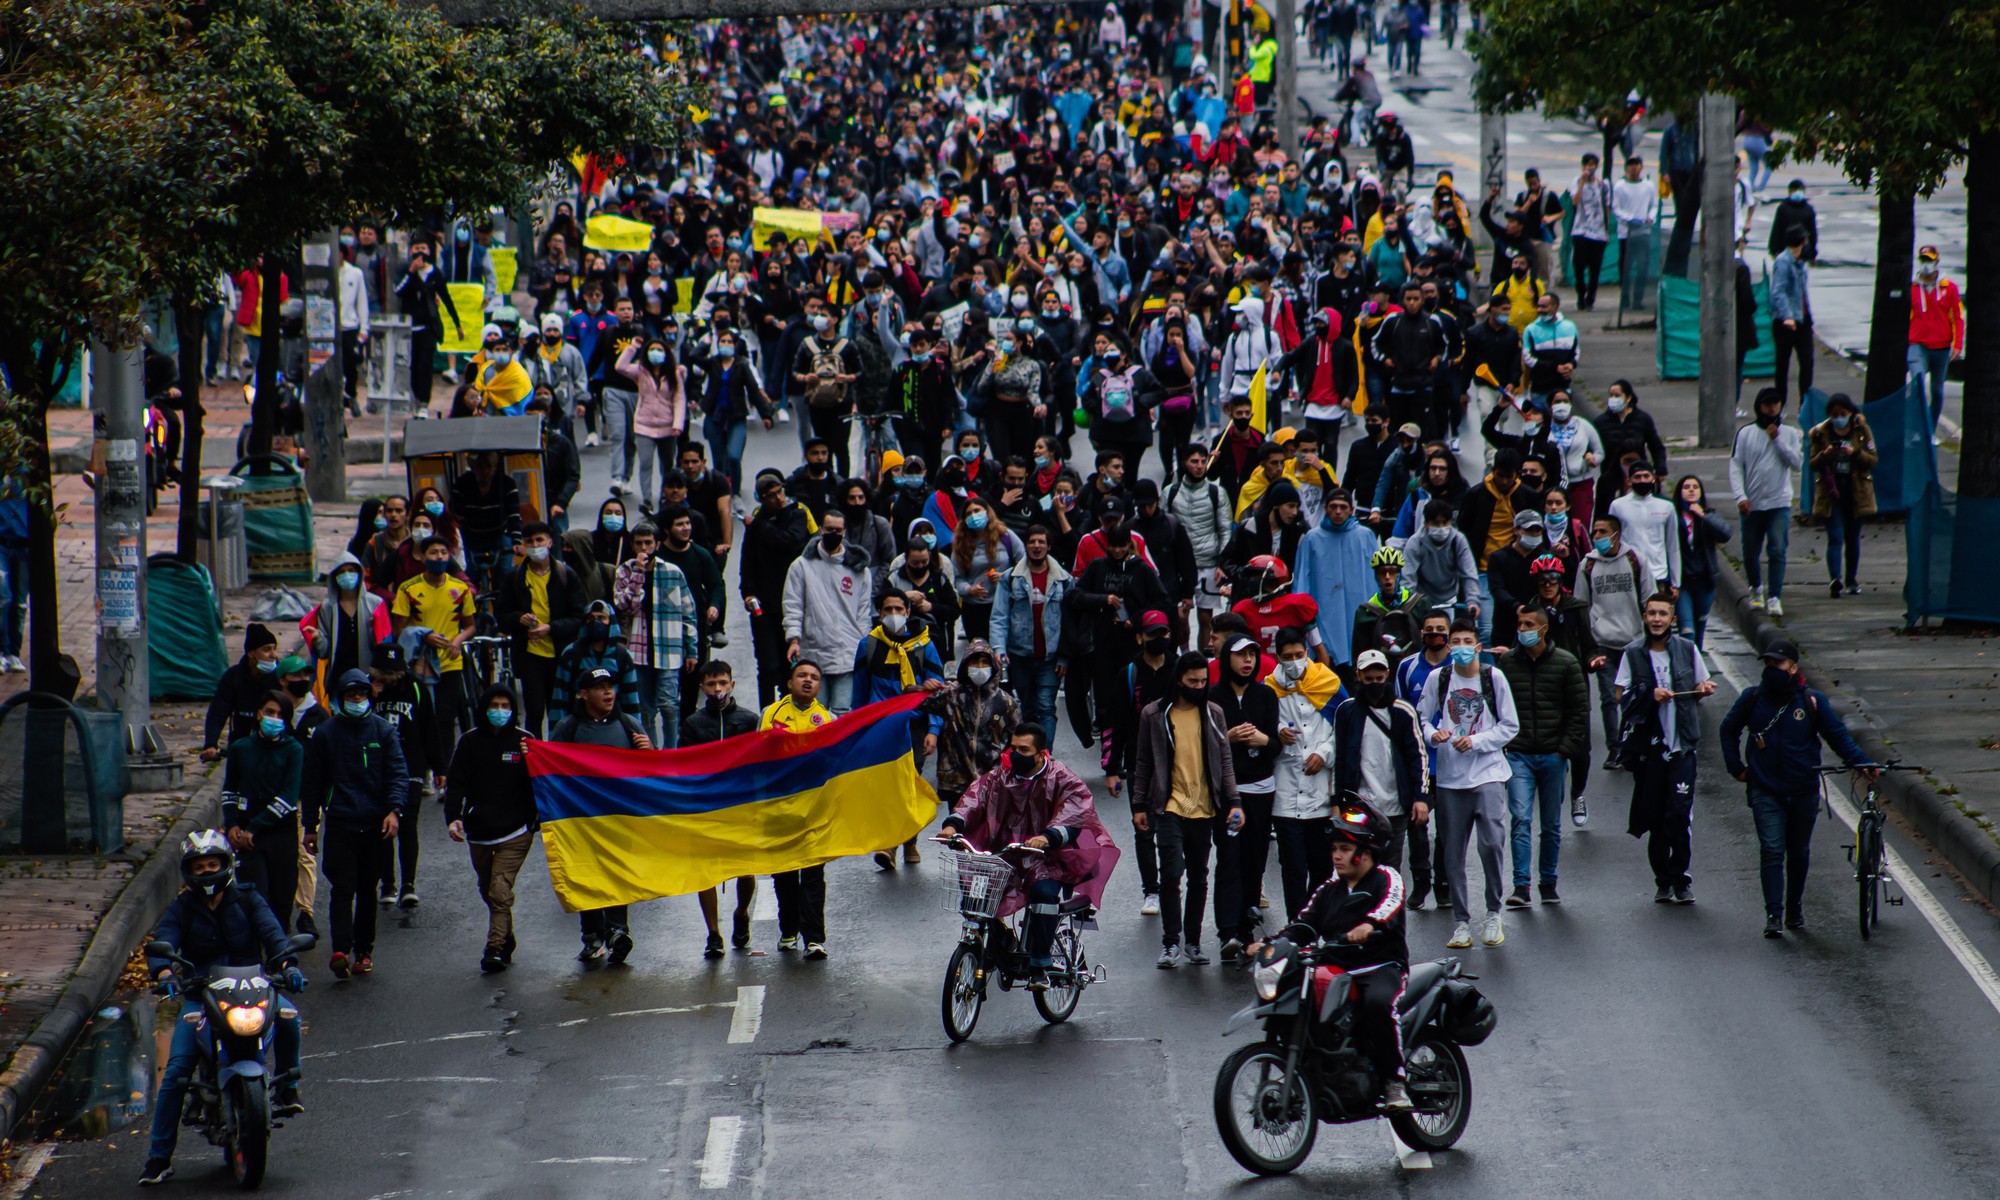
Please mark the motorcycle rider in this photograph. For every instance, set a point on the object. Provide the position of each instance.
(217, 921)
(1359, 833)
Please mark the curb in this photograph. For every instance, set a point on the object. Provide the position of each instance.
(134, 912)
(1970, 850)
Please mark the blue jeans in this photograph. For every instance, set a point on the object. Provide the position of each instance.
(1695, 601)
(215, 346)
(1635, 270)
(1035, 681)
(1766, 531)
(1045, 896)
(1537, 777)
(1485, 611)
(725, 440)
(182, 1058)
(1784, 846)
(838, 693)
(1930, 365)
(660, 705)
(1754, 149)
(13, 597)
(1843, 532)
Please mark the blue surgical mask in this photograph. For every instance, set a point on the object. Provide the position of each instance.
(356, 708)
(1464, 656)
(1529, 638)
(928, 539)
(268, 666)
(1041, 462)
(271, 727)
(348, 581)
(975, 521)
(381, 523)
(612, 522)
(657, 357)
(434, 507)
(726, 350)
(1840, 422)
(497, 717)
(909, 482)
(969, 454)
(1603, 545)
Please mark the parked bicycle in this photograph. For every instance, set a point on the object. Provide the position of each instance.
(491, 661)
(977, 884)
(1868, 850)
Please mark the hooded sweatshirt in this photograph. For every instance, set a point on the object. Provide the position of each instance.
(828, 605)
(488, 786)
(1333, 568)
(341, 641)
(974, 721)
(1305, 707)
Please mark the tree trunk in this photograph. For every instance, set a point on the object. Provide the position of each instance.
(1979, 441)
(46, 660)
(1889, 324)
(188, 317)
(264, 412)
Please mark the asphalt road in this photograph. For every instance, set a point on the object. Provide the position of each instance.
(1642, 1050)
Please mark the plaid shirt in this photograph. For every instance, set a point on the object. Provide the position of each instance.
(665, 632)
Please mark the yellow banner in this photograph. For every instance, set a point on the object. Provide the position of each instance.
(469, 299)
(613, 233)
(792, 222)
(506, 265)
(684, 294)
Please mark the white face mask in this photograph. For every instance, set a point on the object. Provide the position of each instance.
(894, 622)
(979, 675)
(1560, 411)
(1292, 670)
(1615, 403)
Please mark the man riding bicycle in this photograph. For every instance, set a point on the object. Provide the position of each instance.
(1380, 962)
(216, 921)
(1032, 799)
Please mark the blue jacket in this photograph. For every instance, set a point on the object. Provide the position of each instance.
(1792, 732)
(355, 774)
(1333, 569)
(1788, 290)
(239, 932)
(1013, 623)
(875, 678)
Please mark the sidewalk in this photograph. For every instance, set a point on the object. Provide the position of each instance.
(1925, 697)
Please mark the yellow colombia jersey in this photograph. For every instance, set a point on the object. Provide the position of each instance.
(790, 717)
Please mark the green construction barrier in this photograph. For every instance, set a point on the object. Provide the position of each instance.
(1677, 338)
(277, 517)
(183, 631)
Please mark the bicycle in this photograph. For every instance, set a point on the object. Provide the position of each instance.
(876, 438)
(1868, 849)
(490, 659)
(976, 882)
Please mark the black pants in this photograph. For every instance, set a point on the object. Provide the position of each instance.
(536, 677)
(1146, 847)
(423, 351)
(409, 834)
(1406, 407)
(1184, 843)
(350, 361)
(1426, 858)
(601, 924)
(1253, 854)
(1666, 790)
(1305, 857)
(1797, 341)
(1176, 431)
(272, 867)
(1687, 205)
(1011, 428)
(801, 903)
(1375, 1030)
(827, 423)
(1587, 259)
(354, 862)
(767, 640)
(1077, 686)
(1329, 442)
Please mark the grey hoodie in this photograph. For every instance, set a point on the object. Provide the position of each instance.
(1441, 570)
(323, 626)
(829, 605)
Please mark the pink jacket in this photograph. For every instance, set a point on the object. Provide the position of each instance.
(661, 413)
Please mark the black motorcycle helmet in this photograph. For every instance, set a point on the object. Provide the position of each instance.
(1357, 821)
(207, 843)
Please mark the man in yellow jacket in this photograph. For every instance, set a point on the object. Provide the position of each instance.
(801, 893)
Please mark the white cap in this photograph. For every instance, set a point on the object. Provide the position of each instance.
(490, 332)
(550, 321)
(1371, 658)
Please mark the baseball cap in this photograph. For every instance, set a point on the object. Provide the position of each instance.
(1927, 253)
(389, 657)
(293, 665)
(1115, 506)
(1527, 520)
(1780, 649)
(1412, 430)
(596, 677)
(1241, 642)
(1154, 619)
(1371, 658)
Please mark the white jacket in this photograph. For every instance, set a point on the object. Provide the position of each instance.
(829, 606)
(1250, 347)
(353, 298)
(1301, 796)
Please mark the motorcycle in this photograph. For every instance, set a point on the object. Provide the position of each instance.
(1271, 1095)
(229, 1098)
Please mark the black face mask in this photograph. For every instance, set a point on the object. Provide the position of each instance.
(1376, 695)
(815, 469)
(1766, 419)
(595, 632)
(1644, 488)
(1023, 766)
(1193, 695)
(830, 542)
(1158, 645)
(1240, 422)
(1779, 684)
(299, 688)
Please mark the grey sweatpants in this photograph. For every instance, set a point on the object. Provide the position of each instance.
(1459, 812)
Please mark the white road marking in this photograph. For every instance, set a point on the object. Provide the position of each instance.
(764, 905)
(1418, 139)
(718, 1157)
(591, 1160)
(1458, 137)
(422, 1079)
(633, 1012)
(33, 1158)
(1408, 1159)
(1913, 887)
(749, 1016)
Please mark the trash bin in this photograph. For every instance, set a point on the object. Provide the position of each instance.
(232, 564)
(183, 630)
(63, 787)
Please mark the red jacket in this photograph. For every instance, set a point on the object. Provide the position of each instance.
(1937, 321)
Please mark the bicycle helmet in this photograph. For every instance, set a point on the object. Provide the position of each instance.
(207, 843)
(1267, 576)
(1387, 556)
(1546, 564)
(1357, 821)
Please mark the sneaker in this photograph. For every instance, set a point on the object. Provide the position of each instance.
(1663, 895)
(1611, 763)
(1150, 906)
(1853, 589)
(409, 898)
(1518, 898)
(1038, 979)
(156, 1171)
(1451, 444)
(1579, 812)
(789, 942)
(1756, 599)
(1549, 896)
(306, 924)
(1418, 898)
(14, 664)
(1771, 929)
(713, 948)
(885, 861)
(1232, 950)
(1460, 937)
(1775, 607)
(1170, 957)
(621, 947)
(1493, 932)
(1443, 893)
(911, 855)
(1684, 894)
(364, 965)
(590, 439)
(507, 950)
(492, 960)
(815, 952)
(720, 641)
(739, 931)
(1396, 1097)
(287, 1103)
(1191, 952)
(387, 899)
(1833, 588)
(341, 965)
(592, 952)
(1795, 920)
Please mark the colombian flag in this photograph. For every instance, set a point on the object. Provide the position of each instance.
(622, 826)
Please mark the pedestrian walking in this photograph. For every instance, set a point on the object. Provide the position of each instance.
(598, 720)
(489, 805)
(1613, 583)
(1761, 462)
(1469, 716)
(802, 891)
(1843, 457)
(1660, 678)
(1184, 791)
(1937, 330)
(354, 784)
(1552, 703)
(717, 718)
(1791, 314)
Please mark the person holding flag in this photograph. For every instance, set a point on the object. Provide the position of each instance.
(896, 657)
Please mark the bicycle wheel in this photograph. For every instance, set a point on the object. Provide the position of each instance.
(1065, 978)
(963, 993)
(1868, 869)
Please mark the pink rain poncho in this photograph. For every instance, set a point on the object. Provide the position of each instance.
(999, 809)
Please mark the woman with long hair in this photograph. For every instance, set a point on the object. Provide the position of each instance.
(982, 550)
(1701, 531)
(661, 415)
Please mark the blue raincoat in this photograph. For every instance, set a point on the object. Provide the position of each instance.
(1333, 570)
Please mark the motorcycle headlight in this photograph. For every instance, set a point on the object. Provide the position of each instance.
(1265, 979)
(246, 1022)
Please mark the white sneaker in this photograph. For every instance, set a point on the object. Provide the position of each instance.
(1756, 599)
(1191, 952)
(13, 664)
(1493, 933)
(1775, 607)
(784, 416)
(590, 439)
(1170, 957)
(1151, 908)
(1460, 937)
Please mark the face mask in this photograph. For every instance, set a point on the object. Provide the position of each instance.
(356, 708)
(1560, 410)
(820, 321)
(1796, 194)
(1529, 425)
(499, 357)
(718, 703)
(927, 540)
(1531, 541)
(1019, 301)
(612, 522)
(1766, 419)
(267, 666)
(895, 623)
(909, 482)
(725, 350)
(299, 687)
(271, 727)
(434, 507)
(1840, 422)
(1615, 403)
(1438, 533)
(656, 357)
(1529, 638)
(830, 542)
(381, 523)
(347, 581)
(538, 554)
(420, 532)
(1025, 325)
(969, 454)
(1292, 671)
(1642, 489)
(1240, 422)
(597, 631)
(1023, 766)
(979, 675)
(1376, 695)
(1779, 683)
(498, 717)
(347, 239)
(975, 521)
(1603, 545)
(465, 235)
(436, 566)
(1464, 656)
(1193, 695)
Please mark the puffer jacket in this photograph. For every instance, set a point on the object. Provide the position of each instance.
(662, 407)
(1550, 701)
(1013, 627)
(829, 605)
(1203, 509)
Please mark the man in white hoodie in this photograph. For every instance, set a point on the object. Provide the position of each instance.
(1650, 526)
(829, 608)
(1761, 463)
(1250, 347)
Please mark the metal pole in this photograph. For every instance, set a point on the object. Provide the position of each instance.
(121, 544)
(1717, 423)
(1287, 66)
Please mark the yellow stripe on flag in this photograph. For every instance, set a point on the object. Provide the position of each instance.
(1259, 398)
(609, 231)
(469, 300)
(506, 265)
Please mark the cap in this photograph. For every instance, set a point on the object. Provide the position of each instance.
(1929, 253)
(294, 664)
(389, 657)
(551, 321)
(490, 332)
(1412, 430)
(595, 677)
(1371, 658)
(1145, 491)
(1241, 642)
(1115, 506)
(768, 480)
(1154, 619)
(1780, 649)
(1527, 520)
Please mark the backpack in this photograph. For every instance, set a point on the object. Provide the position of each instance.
(1120, 404)
(1485, 686)
(825, 391)
(1397, 628)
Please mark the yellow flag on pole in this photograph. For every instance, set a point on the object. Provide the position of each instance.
(1259, 399)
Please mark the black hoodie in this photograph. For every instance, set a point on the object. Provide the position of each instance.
(488, 785)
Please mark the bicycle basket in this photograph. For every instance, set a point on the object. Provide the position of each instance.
(976, 883)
